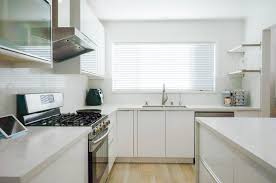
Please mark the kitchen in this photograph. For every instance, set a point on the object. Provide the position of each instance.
(155, 107)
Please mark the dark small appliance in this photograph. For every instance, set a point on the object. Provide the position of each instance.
(94, 97)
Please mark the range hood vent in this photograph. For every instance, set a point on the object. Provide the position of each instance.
(68, 42)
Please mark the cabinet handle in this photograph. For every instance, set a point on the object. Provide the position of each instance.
(210, 171)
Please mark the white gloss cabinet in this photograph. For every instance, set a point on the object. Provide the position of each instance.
(151, 134)
(91, 63)
(70, 167)
(226, 162)
(125, 138)
(112, 140)
(204, 176)
(180, 134)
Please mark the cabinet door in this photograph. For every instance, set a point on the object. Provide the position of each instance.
(88, 62)
(112, 145)
(247, 170)
(217, 155)
(125, 133)
(88, 21)
(180, 134)
(151, 134)
(73, 161)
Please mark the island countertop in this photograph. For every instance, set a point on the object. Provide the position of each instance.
(254, 136)
(23, 156)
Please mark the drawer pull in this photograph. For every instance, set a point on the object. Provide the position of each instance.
(210, 171)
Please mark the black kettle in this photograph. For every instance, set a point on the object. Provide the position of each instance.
(94, 97)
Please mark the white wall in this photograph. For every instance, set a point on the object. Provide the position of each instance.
(168, 9)
(261, 15)
(14, 81)
(226, 33)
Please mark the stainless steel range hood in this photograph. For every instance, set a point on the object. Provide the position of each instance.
(68, 42)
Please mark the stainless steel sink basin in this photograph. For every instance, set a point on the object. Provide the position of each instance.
(164, 106)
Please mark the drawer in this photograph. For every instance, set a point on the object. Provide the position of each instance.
(204, 175)
(217, 154)
(247, 170)
(227, 163)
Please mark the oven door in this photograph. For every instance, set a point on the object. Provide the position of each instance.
(98, 158)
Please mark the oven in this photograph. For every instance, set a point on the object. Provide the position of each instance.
(98, 157)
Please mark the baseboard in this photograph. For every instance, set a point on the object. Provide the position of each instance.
(153, 160)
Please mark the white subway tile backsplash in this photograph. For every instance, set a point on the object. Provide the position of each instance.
(22, 80)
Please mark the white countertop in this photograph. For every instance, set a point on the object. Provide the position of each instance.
(109, 108)
(221, 108)
(21, 157)
(254, 136)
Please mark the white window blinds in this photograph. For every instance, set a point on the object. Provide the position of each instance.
(141, 67)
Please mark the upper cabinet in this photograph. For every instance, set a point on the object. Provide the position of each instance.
(25, 32)
(82, 17)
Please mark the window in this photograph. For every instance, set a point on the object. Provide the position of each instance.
(144, 67)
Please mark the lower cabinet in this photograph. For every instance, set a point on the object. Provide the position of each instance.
(69, 167)
(125, 135)
(167, 134)
(204, 175)
(180, 134)
(225, 163)
(151, 134)
(112, 140)
(146, 134)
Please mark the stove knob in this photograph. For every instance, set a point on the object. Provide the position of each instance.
(96, 129)
(101, 126)
(94, 132)
(106, 123)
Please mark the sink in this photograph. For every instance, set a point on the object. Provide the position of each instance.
(164, 106)
(180, 106)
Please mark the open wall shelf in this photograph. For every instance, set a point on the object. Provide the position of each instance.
(241, 48)
(241, 73)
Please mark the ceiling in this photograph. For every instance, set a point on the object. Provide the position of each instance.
(178, 9)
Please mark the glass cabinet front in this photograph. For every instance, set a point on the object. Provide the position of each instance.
(25, 27)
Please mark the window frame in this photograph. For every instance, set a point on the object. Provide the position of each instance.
(170, 91)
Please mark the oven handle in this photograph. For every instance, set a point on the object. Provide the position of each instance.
(100, 139)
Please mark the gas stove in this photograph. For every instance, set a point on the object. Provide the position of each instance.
(69, 119)
(43, 109)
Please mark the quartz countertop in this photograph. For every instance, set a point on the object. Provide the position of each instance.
(222, 108)
(253, 136)
(21, 157)
(109, 108)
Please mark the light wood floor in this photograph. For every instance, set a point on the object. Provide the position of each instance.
(152, 173)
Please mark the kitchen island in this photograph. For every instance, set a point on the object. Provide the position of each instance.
(46, 154)
(238, 150)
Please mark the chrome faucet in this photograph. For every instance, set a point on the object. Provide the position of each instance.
(164, 95)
